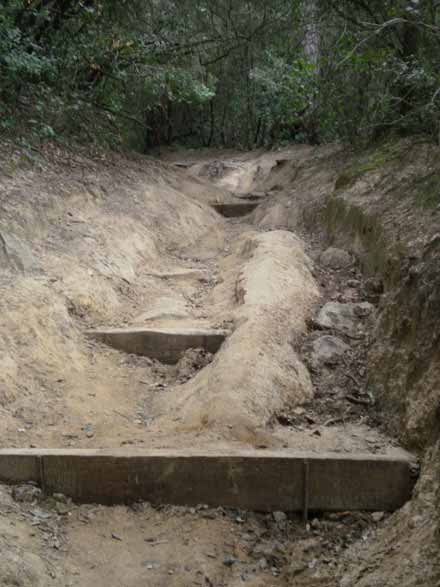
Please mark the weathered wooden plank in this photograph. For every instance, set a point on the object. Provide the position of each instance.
(254, 480)
(20, 467)
(165, 345)
(236, 209)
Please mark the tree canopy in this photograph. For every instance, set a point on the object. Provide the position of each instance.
(240, 73)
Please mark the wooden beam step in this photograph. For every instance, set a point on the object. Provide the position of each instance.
(164, 344)
(236, 209)
(254, 480)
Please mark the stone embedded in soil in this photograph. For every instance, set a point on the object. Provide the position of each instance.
(343, 318)
(165, 345)
(328, 349)
(334, 258)
(27, 493)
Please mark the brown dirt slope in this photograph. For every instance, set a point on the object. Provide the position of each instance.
(119, 241)
(383, 205)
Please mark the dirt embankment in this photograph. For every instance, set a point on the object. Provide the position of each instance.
(127, 242)
(388, 209)
(86, 243)
(384, 207)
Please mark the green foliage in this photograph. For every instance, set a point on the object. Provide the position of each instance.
(147, 72)
(380, 75)
(285, 91)
(74, 69)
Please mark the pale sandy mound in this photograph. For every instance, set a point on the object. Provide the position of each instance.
(83, 246)
(268, 291)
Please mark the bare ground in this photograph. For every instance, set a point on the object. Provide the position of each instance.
(135, 242)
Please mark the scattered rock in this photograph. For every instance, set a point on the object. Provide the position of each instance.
(39, 516)
(280, 517)
(328, 349)
(363, 309)
(26, 493)
(60, 497)
(378, 517)
(343, 317)
(62, 509)
(272, 552)
(116, 537)
(88, 429)
(334, 258)
(229, 561)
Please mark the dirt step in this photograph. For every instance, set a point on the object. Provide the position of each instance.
(184, 164)
(254, 480)
(235, 209)
(252, 197)
(165, 345)
(181, 274)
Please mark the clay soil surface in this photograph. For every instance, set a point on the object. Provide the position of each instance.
(136, 243)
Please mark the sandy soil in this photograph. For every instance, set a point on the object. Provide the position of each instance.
(95, 248)
(137, 243)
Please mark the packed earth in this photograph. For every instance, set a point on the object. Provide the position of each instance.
(301, 307)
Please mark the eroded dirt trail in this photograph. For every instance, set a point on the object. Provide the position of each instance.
(290, 375)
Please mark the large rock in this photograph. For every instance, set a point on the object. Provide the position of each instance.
(328, 349)
(343, 318)
(334, 258)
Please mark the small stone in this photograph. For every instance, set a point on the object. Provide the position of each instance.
(328, 349)
(88, 429)
(343, 318)
(60, 497)
(26, 493)
(279, 517)
(363, 309)
(299, 411)
(315, 523)
(334, 258)
(378, 517)
(229, 561)
(62, 509)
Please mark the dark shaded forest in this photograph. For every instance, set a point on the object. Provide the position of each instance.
(140, 74)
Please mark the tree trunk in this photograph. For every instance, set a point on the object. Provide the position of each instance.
(311, 45)
(310, 13)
